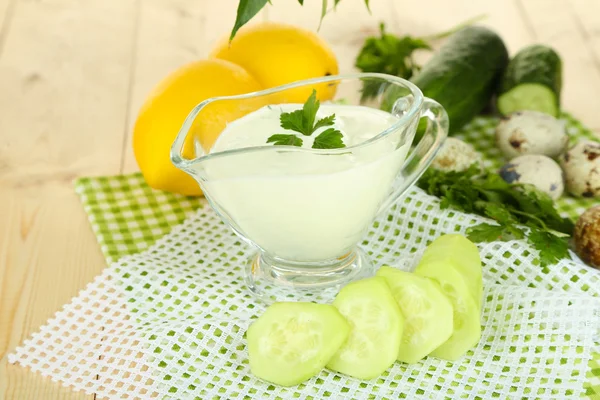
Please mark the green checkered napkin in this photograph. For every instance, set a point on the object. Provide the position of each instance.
(127, 216)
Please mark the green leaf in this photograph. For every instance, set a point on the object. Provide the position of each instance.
(329, 139)
(301, 2)
(293, 121)
(246, 10)
(309, 112)
(285, 140)
(393, 55)
(498, 212)
(335, 3)
(389, 54)
(512, 206)
(323, 12)
(302, 121)
(488, 233)
(368, 7)
(329, 120)
(485, 233)
(552, 248)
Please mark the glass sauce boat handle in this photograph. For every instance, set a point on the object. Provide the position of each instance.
(424, 152)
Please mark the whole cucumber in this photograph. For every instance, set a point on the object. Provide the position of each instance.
(464, 74)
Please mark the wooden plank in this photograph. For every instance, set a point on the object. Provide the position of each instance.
(6, 13)
(587, 18)
(47, 254)
(555, 24)
(344, 28)
(64, 73)
(173, 33)
(427, 17)
(64, 77)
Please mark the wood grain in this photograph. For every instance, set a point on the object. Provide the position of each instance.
(64, 74)
(74, 73)
(170, 35)
(48, 253)
(555, 24)
(6, 13)
(585, 13)
(344, 28)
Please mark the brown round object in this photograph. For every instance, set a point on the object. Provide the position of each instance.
(587, 236)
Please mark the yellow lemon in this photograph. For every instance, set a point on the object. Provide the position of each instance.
(276, 54)
(166, 108)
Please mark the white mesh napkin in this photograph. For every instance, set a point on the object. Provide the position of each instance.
(170, 322)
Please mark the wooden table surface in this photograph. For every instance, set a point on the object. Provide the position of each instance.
(73, 74)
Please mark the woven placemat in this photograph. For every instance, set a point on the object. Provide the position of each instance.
(127, 216)
(169, 322)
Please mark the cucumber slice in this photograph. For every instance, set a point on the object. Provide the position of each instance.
(466, 316)
(529, 96)
(459, 251)
(377, 325)
(427, 313)
(291, 342)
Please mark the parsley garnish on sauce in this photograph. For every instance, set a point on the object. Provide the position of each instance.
(303, 122)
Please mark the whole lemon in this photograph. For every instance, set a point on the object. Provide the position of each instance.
(276, 54)
(165, 109)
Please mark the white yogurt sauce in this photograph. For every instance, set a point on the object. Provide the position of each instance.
(304, 205)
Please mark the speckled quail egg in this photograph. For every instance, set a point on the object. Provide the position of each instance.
(581, 165)
(456, 155)
(531, 132)
(587, 237)
(540, 171)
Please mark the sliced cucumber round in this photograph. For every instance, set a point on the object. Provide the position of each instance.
(291, 342)
(460, 252)
(376, 329)
(528, 96)
(428, 314)
(466, 313)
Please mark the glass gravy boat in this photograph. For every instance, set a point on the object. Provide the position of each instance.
(305, 210)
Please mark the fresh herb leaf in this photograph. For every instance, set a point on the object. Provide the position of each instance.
(301, 2)
(246, 10)
(324, 122)
(285, 140)
(488, 233)
(292, 121)
(497, 212)
(485, 232)
(330, 138)
(390, 54)
(309, 113)
(552, 248)
(302, 121)
(512, 206)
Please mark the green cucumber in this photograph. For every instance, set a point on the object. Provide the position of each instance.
(377, 324)
(291, 342)
(464, 74)
(428, 314)
(532, 81)
(460, 252)
(466, 318)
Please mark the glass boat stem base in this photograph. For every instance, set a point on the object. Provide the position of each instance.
(270, 279)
